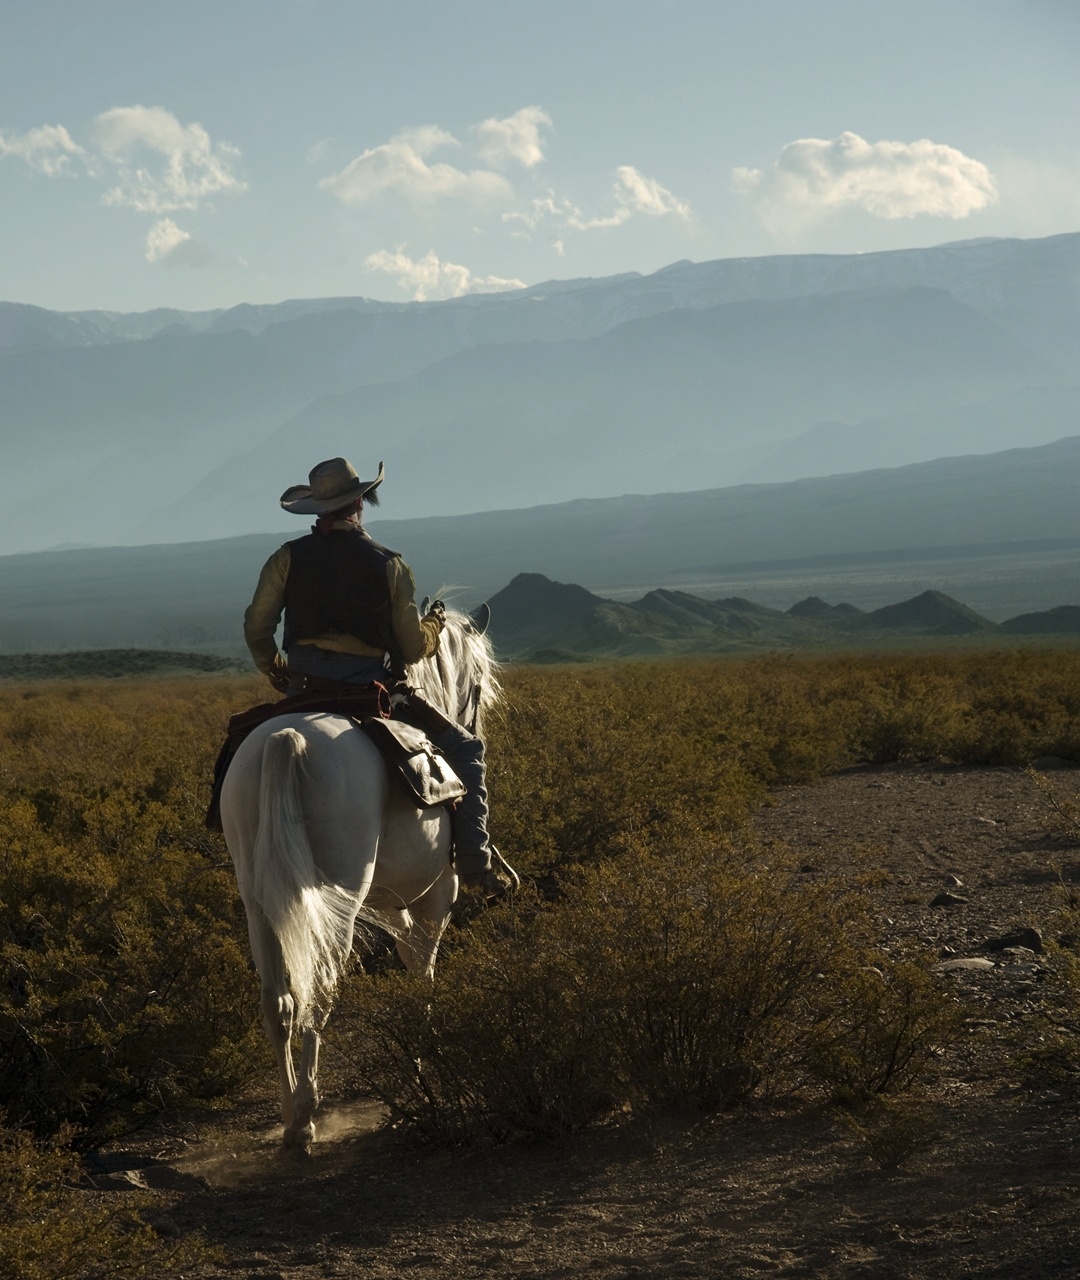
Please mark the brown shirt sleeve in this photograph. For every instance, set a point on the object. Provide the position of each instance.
(417, 637)
(264, 613)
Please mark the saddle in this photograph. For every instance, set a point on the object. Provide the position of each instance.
(415, 762)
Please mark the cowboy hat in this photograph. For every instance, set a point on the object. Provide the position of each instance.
(332, 484)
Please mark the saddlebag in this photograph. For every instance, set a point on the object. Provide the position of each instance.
(425, 774)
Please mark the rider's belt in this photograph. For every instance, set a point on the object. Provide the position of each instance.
(337, 688)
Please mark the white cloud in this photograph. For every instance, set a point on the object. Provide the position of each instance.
(162, 164)
(401, 166)
(632, 191)
(645, 195)
(48, 149)
(542, 207)
(813, 177)
(616, 219)
(516, 137)
(427, 277)
(168, 244)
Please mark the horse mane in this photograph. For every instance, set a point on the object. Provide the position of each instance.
(463, 662)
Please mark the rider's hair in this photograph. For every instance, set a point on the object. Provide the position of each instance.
(341, 513)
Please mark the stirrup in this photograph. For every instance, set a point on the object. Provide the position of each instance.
(499, 864)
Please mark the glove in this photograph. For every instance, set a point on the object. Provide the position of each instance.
(437, 612)
(278, 675)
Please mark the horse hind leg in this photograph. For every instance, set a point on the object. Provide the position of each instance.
(278, 1005)
(417, 929)
(427, 919)
(300, 1130)
(278, 1017)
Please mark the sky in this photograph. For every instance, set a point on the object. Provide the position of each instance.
(201, 155)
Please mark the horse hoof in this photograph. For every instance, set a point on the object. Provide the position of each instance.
(297, 1142)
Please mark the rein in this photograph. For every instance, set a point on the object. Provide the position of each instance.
(471, 699)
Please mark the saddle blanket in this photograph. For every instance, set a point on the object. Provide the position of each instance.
(414, 760)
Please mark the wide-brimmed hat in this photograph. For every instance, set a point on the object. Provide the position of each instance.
(331, 484)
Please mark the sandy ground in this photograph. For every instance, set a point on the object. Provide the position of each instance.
(767, 1193)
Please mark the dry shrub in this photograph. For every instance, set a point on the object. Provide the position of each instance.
(120, 929)
(125, 946)
(893, 1130)
(885, 1026)
(688, 980)
(909, 714)
(51, 1230)
(1052, 1060)
(583, 762)
(505, 1045)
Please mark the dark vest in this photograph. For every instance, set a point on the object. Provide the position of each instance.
(337, 583)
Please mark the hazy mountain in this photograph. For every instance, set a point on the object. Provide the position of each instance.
(890, 528)
(698, 375)
(1030, 416)
(120, 429)
(1030, 287)
(674, 401)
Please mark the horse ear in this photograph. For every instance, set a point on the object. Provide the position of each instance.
(424, 605)
(481, 618)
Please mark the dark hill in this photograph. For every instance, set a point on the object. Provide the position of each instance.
(685, 614)
(1064, 620)
(535, 615)
(931, 613)
(816, 608)
(100, 664)
(537, 619)
(679, 606)
(531, 597)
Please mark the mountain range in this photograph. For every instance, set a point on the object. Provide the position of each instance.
(170, 426)
(536, 619)
(1000, 530)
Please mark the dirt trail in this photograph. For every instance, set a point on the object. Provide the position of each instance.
(750, 1195)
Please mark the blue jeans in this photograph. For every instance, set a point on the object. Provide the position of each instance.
(350, 668)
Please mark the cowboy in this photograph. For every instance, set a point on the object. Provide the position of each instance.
(350, 617)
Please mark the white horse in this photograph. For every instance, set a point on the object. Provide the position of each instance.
(320, 834)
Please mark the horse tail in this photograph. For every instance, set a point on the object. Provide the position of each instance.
(313, 921)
